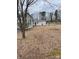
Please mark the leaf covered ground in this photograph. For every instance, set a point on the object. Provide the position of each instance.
(41, 42)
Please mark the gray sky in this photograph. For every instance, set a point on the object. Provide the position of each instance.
(42, 5)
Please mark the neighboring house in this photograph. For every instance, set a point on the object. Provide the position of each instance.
(40, 18)
(29, 22)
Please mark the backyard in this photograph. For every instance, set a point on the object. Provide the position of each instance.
(41, 42)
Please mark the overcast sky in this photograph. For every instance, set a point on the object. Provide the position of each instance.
(42, 5)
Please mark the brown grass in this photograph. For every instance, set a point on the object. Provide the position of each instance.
(40, 41)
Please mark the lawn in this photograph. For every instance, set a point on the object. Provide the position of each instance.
(41, 42)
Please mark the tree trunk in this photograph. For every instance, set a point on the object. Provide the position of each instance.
(23, 34)
(51, 18)
(56, 18)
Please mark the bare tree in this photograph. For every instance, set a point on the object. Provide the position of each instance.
(56, 15)
(22, 10)
(52, 6)
(43, 14)
(51, 14)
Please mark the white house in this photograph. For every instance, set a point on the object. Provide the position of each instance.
(39, 19)
(29, 22)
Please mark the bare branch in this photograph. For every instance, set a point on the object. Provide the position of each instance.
(32, 2)
(50, 3)
(23, 2)
(22, 11)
